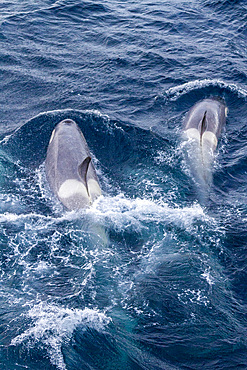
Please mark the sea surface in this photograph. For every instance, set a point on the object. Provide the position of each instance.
(153, 275)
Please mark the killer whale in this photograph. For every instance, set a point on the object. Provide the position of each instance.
(69, 168)
(204, 122)
(203, 125)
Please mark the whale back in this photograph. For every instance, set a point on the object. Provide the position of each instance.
(69, 167)
(212, 112)
(205, 120)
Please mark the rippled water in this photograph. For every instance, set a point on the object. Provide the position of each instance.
(153, 275)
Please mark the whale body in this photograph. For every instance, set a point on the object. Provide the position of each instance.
(204, 122)
(69, 168)
(202, 128)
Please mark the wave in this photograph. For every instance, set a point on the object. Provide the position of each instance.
(53, 325)
(134, 253)
(119, 212)
(176, 92)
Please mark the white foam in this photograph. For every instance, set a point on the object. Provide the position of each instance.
(53, 325)
(195, 296)
(120, 212)
(175, 92)
(12, 217)
(206, 275)
(164, 157)
(94, 112)
(117, 212)
(5, 139)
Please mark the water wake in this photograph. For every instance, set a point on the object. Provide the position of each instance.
(176, 92)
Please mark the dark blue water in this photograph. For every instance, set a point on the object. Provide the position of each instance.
(151, 277)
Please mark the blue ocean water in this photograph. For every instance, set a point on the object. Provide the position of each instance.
(153, 276)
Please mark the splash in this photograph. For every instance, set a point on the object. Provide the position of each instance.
(54, 325)
(119, 212)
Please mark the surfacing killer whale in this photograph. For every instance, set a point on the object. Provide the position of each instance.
(204, 122)
(69, 168)
(202, 128)
(70, 171)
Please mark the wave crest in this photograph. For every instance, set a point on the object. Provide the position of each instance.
(175, 92)
(53, 325)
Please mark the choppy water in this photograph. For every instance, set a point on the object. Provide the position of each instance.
(150, 277)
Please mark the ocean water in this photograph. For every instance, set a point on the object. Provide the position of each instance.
(153, 275)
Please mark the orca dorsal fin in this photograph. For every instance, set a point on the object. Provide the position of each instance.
(83, 168)
(203, 126)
